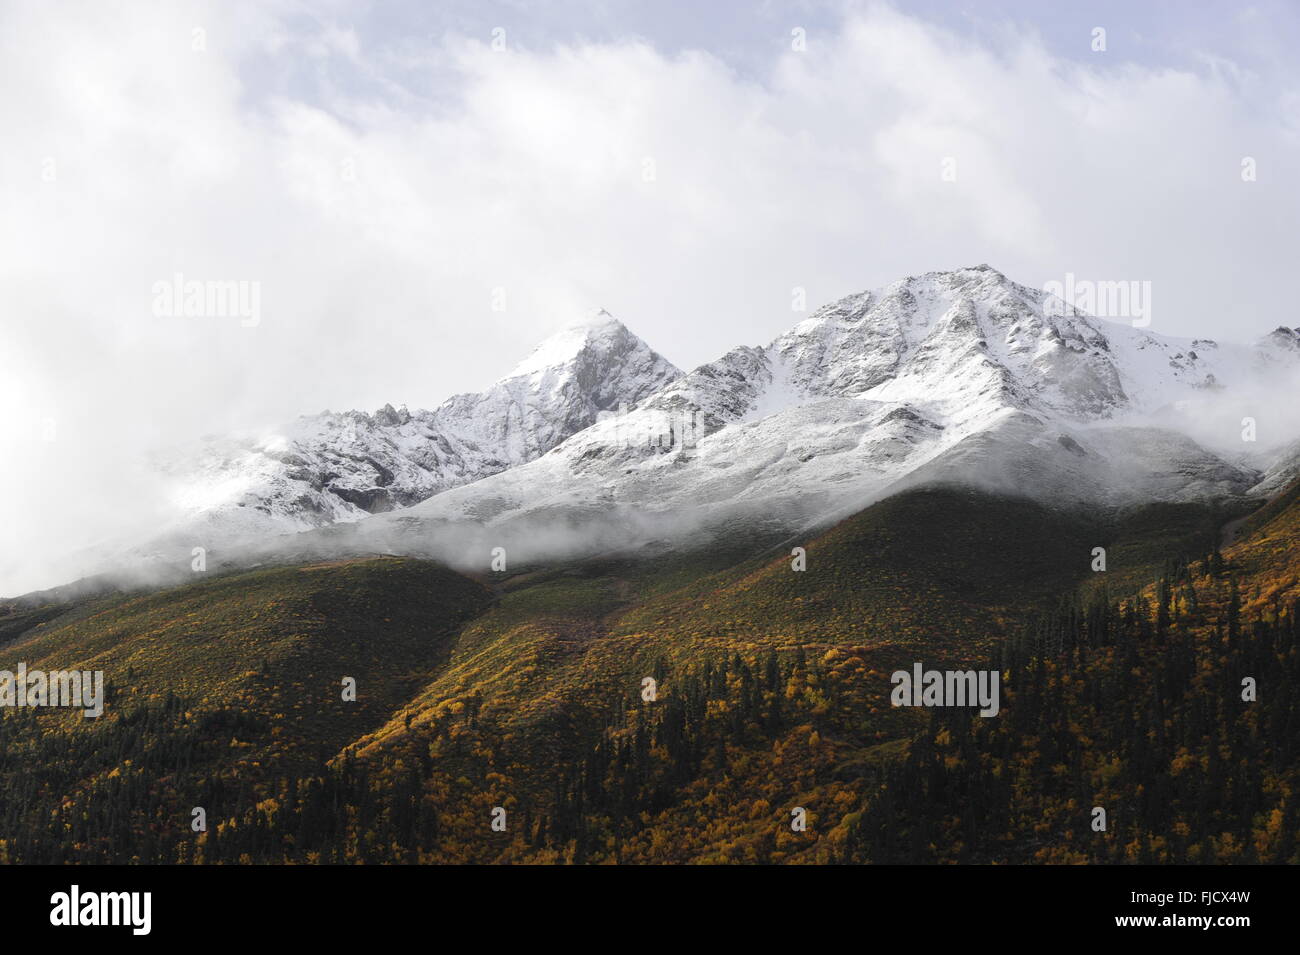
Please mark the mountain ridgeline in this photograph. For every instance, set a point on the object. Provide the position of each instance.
(595, 443)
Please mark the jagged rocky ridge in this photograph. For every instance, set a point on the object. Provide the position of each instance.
(330, 468)
(958, 377)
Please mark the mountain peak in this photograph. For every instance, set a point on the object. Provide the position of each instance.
(1282, 337)
(596, 329)
(980, 275)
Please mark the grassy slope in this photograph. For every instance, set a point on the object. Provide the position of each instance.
(940, 571)
(256, 660)
(1266, 545)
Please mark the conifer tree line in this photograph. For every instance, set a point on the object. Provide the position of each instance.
(1128, 706)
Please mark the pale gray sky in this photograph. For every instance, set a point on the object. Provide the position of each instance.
(387, 175)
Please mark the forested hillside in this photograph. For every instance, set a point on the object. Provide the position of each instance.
(504, 720)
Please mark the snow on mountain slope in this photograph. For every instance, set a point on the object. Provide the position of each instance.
(1281, 471)
(953, 377)
(964, 343)
(959, 377)
(330, 468)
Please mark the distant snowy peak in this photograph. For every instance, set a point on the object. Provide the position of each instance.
(961, 377)
(874, 386)
(1283, 340)
(340, 467)
(599, 332)
(597, 357)
(966, 344)
(593, 366)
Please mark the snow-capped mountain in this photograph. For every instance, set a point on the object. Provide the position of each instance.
(331, 468)
(960, 376)
(596, 443)
(956, 345)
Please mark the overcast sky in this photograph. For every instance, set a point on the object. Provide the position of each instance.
(389, 172)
